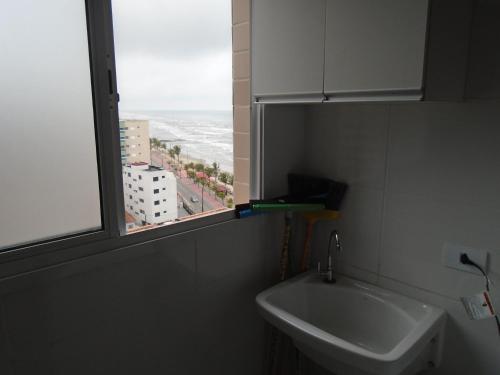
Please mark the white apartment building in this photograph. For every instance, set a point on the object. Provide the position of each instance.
(134, 141)
(150, 193)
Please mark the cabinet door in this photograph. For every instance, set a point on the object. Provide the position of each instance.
(288, 48)
(375, 48)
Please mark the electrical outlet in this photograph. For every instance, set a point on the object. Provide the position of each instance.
(451, 258)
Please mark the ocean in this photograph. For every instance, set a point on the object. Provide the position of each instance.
(204, 135)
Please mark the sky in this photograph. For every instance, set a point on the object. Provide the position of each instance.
(173, 55)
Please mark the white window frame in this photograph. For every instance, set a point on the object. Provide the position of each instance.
(113, 235)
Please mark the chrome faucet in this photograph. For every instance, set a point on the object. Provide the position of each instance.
(334, 235)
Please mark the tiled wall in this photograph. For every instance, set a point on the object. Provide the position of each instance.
(181, 305)
(421, 175)
(241, 98)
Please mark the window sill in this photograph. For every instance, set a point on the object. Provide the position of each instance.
(37, 257)
(185, 224)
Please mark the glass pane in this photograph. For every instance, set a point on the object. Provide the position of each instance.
(174, 74)
(48, 163)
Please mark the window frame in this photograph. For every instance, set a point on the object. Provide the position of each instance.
(113, 234)
(104, 154)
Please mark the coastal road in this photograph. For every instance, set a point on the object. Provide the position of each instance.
(187, 192)
(187, 188)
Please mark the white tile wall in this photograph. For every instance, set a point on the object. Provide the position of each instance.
(351, 144)
(222, 251)
(179, 305)
(446, 149)
(360, 228)
(484, 75)
(415, 231)
(283, 151)
(420, 175)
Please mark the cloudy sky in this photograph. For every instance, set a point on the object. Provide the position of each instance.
(173, 55)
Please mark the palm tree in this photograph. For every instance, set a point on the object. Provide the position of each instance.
(216, 169)
(180, 168)
(171, 153)
(223, 177)
(155, 143)
(209, 172)
(203, 182)
(199, 167)
(177, 151)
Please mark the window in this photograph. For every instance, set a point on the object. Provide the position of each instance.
(43, 90)
(82, 190)
(157, 203)
(142, 211)
(175, 84)
(157, 214)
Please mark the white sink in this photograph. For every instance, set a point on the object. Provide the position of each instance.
(355, 328)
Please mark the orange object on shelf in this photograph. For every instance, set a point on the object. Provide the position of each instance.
(312, 218)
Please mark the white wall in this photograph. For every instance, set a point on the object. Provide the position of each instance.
(420, 175)
(181, 305)
(283, 147)
(167, 195)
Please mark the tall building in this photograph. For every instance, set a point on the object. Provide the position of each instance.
(134, 141)
(150, 193)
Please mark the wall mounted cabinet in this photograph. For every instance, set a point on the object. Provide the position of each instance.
(375, 48)
(359, 50)
(288, 49)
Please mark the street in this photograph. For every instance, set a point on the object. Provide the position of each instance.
(186, 188)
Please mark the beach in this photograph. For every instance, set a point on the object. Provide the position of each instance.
(204, 136)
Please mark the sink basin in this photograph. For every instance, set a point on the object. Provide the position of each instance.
(354, 328)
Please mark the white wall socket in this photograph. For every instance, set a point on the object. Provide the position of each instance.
(451, 257)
